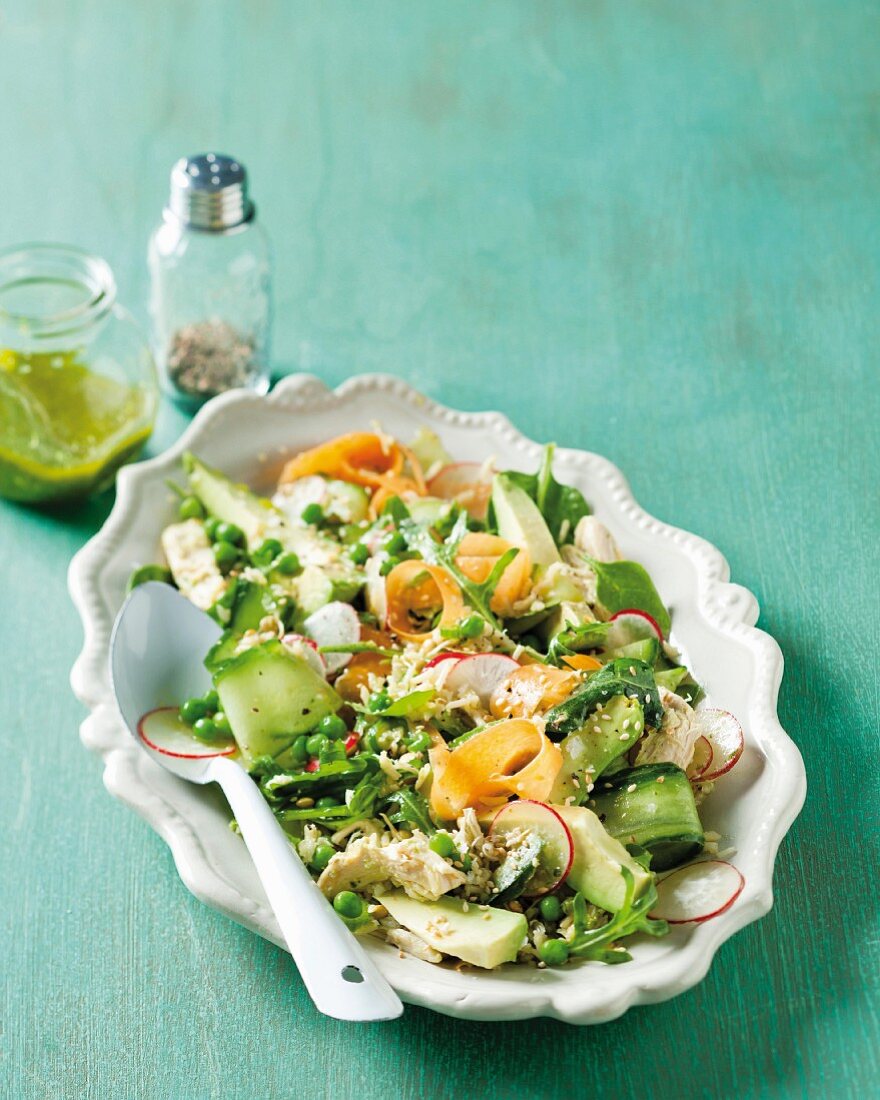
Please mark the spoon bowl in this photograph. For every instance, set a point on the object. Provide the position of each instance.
(156, 650)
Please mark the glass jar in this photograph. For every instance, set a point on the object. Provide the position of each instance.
(78, 389)
(210, 283)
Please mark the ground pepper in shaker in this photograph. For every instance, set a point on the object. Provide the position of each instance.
(210, 283)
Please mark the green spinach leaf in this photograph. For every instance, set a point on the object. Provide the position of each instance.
(622, 676)
(562, 506)
(621, 585)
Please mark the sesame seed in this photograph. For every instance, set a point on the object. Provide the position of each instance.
(648, 698)
(607, 718)
(305, 803)
(631, 788)
(661, 778)
(626, 722)
(624, 737)
(590, 787)
(632, 670)
(597, 729)
(607, 786)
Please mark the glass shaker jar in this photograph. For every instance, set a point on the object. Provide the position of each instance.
(210, 283)
(78, 390)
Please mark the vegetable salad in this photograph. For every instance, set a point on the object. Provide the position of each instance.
(457, 696)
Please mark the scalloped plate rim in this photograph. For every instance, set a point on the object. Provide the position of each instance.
(136, 781)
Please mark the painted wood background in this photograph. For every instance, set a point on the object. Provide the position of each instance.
(646, 228)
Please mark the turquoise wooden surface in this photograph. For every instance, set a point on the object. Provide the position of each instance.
(648, 229)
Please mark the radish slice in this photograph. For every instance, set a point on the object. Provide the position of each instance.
(557, 846)
(701, 761)
(468, 483)
(698, 892)
(307, 649)
(480, 673)
(334, 624)
(164, 731)
(631, 626)
(374, 590)
(725, 735)
(449, 655)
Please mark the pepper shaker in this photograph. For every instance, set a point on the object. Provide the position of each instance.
(210, 276)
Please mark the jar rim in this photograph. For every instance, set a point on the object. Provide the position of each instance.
(36, 262)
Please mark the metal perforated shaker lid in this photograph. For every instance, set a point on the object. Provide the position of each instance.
(210, 191)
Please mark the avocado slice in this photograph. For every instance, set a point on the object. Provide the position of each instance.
(474, 933)
(520, 521)
(587, 752)
(259, 519)
(598, 858)
(270, 697)
(233, 503)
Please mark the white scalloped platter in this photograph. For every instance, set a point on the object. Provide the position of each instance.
(713, 624)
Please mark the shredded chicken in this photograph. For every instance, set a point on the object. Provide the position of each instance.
(595, 540)
(192, 563)
(410, 863)
(412, 945)
(673, 742)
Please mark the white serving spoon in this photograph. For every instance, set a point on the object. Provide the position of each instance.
(156, 651)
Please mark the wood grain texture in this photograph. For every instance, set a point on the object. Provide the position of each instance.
(648, 229)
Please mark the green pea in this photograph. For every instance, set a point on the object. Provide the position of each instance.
(550, 908)
(380, 701)
(359, 553)
(326, 802)
(395, 543)
(289, 564)
(298, 751)
(225, 554)
(332, 726)
(324, 852)
(230, 532)
(313, 513)
(192, 710)
(211, 525)
(472, 626)
(266, 553)
(315, 743)
(553, 952)
(212, 700)
(387, 565)
(443, 845)
(205, 729)
(190, 508)
(348, 904)
(221, 723)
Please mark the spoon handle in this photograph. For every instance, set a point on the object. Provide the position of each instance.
(340, 978)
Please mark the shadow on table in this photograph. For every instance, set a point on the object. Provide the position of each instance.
(83, 517)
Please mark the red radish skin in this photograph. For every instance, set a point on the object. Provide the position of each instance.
(480, 673)
(527, 813)
(447, 656)
(312, 765)
(199, 752)
(725, 735)
(352, 742)
(698, 892)
(647, 621)
(702, 760)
